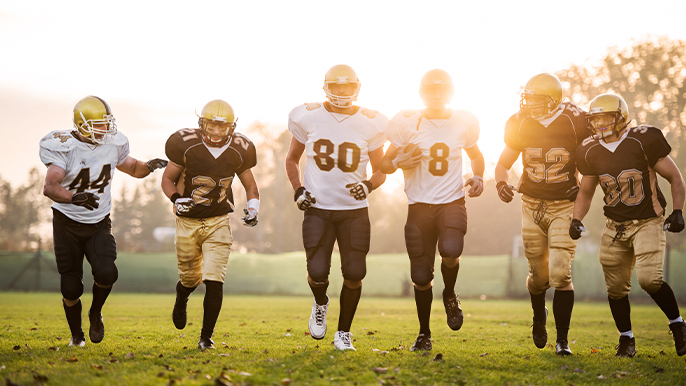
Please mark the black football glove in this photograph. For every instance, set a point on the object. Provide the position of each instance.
(156, 163)
(505, 191)
(572, 192)
(360, 190)
(90, 200)
(303, 199)
(477, 186)
(675, 222)
(250, 217)
(575, 229)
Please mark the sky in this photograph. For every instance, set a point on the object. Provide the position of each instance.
(156, 62)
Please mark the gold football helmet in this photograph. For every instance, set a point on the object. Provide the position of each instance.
(217, 123)
(542, 94)
(608, 114)
(341, 74)
(436, 85)
(94, 120)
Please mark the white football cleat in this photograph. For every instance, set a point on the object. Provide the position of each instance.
(78, 340)
(317, 323)
(343, 341)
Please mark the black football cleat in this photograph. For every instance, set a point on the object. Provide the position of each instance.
(205, 343)
(679, 334)
(423, 343)
(562, 348)
(539, 332)
(179, 314)
(78, 340)
(453, 312)
(626, 347)
(97, 329)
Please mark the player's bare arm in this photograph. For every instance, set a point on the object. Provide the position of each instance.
(295, 152)
(378, 176)
(52, 186)
(585, 196)
(476, 183)
(250, 185)
(507, 158)
(140, 169)
(667, 168)
(386, 165)
(171, 175)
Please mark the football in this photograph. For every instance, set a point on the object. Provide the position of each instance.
(414, 149)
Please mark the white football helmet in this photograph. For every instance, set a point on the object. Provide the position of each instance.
(341, 74)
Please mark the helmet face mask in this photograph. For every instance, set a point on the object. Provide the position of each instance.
(341, 86)
(608, 114)
(216, 123)
(94, 120)
(541, 96)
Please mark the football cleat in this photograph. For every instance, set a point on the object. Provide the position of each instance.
(205, 343)
(453, 311)
(179, 314)
(626, 347)
(78, 340)
(422, 343)
(539, 332)
(317, 323)
(562, 348)
(97, 330)
(343, 341)
(679, 334)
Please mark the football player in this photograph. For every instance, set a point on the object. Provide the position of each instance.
(427, 145)
(204, 162)
(546, 132)
(625, 162)
(81, 165)
(340, 139)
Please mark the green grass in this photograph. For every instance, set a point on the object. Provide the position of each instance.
(261, 340)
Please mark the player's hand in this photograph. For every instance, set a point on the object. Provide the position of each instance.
(360, 190)
(156, 163)
(505, 191)
(575, 229)
(184, 204)
(572, 192)
(477, 186)
(304, 199)
(90, 200)
(250, 217)
(407, 158)
(675, 222)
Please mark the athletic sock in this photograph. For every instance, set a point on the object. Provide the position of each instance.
(350, 297)
(73, 315)
(182, 292)
(629, 333)
(320, 293)
(538, 305)
(664, 297)
(449, 277)
(99, 296)
(677, 320)
(563, 303)
(423, 299)
(621, 313)
(214, 294)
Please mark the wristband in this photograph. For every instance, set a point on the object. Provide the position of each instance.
(254, 203)
(174, 197)
(368, 185)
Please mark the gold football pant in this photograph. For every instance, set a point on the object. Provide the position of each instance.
(202, 248)
(639, 243)
(547, 245)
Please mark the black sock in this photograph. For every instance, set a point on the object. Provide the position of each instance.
(73, 315)
(320, 293)
(214, 295)
(538, 305)
(449, 278)
(99, 296)
(563, 303)
(664, 297)
(621, 313)
(423, 299)
(349, 299)
(182, 293)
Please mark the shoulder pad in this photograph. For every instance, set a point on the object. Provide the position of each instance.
(299, 112)
(573, 109)
(58, 141)
(407, 115)
(467, 115)
(120, 139)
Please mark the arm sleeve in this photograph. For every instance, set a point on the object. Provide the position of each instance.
(249, 158)
(655, 146)
(51, 157)
(294, 127)
(582, 163)
(173, 151)
(123, 153)
(396, 132)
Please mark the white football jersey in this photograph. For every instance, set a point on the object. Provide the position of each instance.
(438, 179)
(337, 148)
(88, 168)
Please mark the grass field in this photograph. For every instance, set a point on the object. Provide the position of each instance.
(262, 341)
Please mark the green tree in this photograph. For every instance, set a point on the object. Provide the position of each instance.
(22, 210)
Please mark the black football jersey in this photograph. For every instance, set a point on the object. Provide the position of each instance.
(626, 175)
(548, 153)
(206, 178)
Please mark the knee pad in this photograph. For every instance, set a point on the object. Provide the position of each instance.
(356, 267)
(106, 275)
(420, 273)
(650, 284)
(537, 284)
(190, 280)
(451, 243)
(71, 287)
(318, 273)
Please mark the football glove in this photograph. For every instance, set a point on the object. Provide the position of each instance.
(675, 222)
(575, 229)
(505, 191)
(250, 217)
(477, 186)
(184, 204)
(90, 200)
(405, 160)
(572, 192)
(360, 190)
(304, 199)
(156, 163)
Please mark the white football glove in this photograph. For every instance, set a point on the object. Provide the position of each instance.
(250, 217)
(304, 199)
(184, 204)
(477, 186)
(405, 160)
(360, 190)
